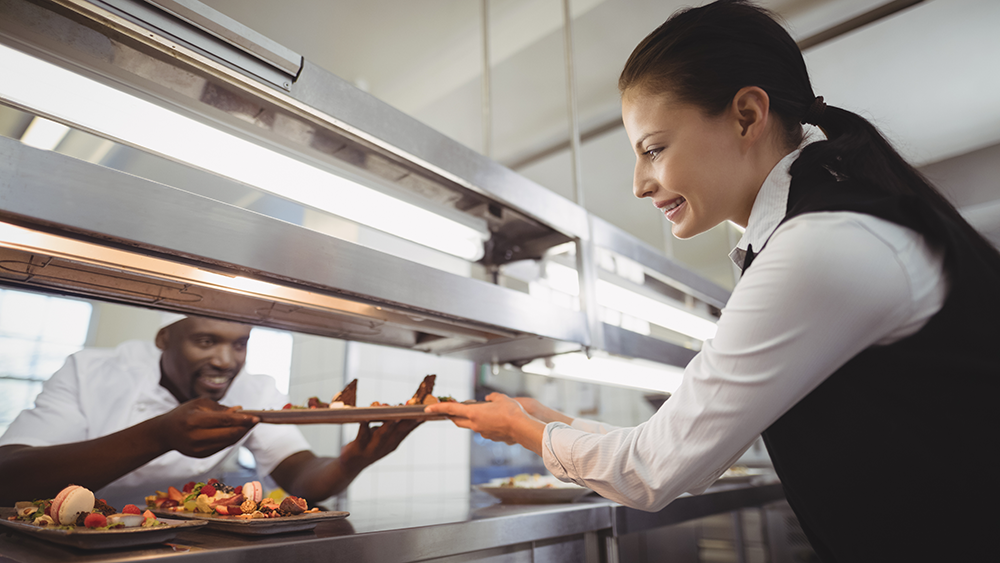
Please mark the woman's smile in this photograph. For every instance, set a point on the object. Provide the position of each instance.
(671, 208)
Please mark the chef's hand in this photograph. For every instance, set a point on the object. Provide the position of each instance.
(372, 444)
(500, 419)
(202, 427)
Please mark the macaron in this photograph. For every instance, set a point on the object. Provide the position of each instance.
(69, 503)
(253, 491)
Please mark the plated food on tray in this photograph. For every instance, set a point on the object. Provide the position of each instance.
(343, 408)
(528, 488)
(75, 517)
(242, 509)
(740, 474)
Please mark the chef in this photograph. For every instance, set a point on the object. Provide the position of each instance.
(127, 421)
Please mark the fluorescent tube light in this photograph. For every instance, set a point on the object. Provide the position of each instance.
(87, 104)
(44, 134)
(609, 370)
(631, 303)
(565, 279)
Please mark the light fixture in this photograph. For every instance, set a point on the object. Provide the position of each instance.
(87, 104)
(605, 369)
(564, 279)
(44, 134)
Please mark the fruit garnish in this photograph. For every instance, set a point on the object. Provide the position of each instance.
(208, 490)
(131, 509)
(95, 520)
(189, 487)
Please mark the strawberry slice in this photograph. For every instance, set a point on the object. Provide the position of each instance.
(174, 494)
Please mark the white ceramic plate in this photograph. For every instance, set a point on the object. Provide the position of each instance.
(539, 490)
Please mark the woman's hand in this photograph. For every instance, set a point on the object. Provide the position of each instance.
(501, 419)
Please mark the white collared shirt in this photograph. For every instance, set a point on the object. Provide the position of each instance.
(829, 285)
(101, 391)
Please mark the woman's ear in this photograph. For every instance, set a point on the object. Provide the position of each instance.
(751, 107)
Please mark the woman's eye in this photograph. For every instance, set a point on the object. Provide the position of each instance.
(652, 153)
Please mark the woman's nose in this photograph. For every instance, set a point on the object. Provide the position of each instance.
(642, 186)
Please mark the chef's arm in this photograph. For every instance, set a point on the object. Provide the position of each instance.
(197, 428)
(314, 478)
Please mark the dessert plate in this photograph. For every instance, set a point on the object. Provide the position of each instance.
(346, 415)
(257, 526)
(85, 538)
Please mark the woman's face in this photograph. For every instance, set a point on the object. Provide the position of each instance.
(692, 166)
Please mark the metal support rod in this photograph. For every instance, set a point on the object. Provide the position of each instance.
(586, 254)
(574, 122)
(487, 102)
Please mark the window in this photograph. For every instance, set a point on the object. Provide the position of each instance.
(37, 333)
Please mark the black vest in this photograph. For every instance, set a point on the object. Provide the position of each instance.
(892, 458)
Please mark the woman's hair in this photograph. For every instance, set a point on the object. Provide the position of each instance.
(704, 56)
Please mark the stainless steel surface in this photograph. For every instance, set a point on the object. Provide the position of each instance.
(718, 499)
(234, 32)
(330, 123)
(254, 54)
(634, 345)
(428, 529)
(617, 240)
(79, 200)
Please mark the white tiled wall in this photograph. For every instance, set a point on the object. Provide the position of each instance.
(317, 371)
(434, 459)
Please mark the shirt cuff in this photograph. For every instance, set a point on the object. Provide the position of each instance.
(557, 447)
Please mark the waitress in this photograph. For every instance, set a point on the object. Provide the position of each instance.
(862, 341)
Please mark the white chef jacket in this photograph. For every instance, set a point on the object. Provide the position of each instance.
(101, 391)
(830, 285)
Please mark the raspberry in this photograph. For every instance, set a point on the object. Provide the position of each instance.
(208, 490)
(189, 487)
(95, 520)
(212, 481)
(238, 490)
(131, 509)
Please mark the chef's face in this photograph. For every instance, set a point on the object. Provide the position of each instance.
(688, 163)
(202, 356)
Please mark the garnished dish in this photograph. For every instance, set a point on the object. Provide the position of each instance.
(348, 397)
(528, 488)
(243, 509)
(218, 499)
(75, 517)
(342, 408)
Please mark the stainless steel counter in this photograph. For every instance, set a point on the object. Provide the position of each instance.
(465, 528)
